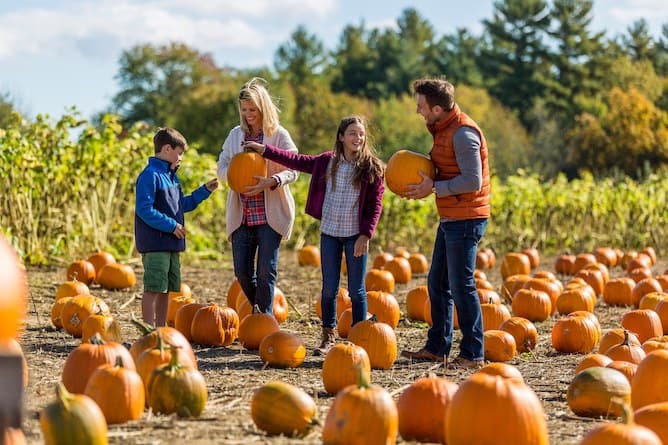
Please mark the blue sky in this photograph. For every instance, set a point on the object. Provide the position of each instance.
(61, 53)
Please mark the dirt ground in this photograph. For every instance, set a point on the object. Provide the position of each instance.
(232, 373)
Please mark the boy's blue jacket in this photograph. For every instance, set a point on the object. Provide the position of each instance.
(160, 204)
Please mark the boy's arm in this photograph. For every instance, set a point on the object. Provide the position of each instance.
(145, 197)
(191, 201)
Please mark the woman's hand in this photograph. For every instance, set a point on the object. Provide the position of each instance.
(252, 145)
(262, 185)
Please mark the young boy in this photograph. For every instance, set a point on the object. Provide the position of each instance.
(159, 222)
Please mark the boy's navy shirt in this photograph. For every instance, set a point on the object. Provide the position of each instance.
(160, 205)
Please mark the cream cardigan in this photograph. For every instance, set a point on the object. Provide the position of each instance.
(279, 203)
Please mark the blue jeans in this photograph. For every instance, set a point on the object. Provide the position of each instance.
(450, 281)
(331, 250)
(257, 283)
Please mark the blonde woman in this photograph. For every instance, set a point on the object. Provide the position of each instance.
(258, 219)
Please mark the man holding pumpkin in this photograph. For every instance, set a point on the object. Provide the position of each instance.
(462, 188)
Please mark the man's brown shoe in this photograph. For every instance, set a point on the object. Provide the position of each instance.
(464, 363)
(422, 354)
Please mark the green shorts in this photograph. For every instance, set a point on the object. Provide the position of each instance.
(162, 272)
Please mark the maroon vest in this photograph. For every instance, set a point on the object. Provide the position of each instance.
(465, 205)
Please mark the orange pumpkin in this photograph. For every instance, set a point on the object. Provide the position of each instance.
(105, 325)
(149, 340)
(281, 408)
(574, 334)
(116, 276)
(400, 269)
(616, 336)
(534, 256)
(418, 263)
(342, 365)
(415, 300)
(280, 306)
(518, 413)
(345, 322)
(593, 360)
(254, 328)
(499, 345)
(118, 391)
(214, 326)
(174, 304)
(654, 417)
(422, 407)
(243, 168)
(565, 264)
(84, 360)
(282, 349)
(523, 331)
(618, 291)
(626, 351)
(503, 370)
(72, 289)
(532, 304)
(515, 263)
(402, 170)
(380, 260)
(57, 310)
(99, 259)
(183, 320)
(75, 312)
(160, 355)
(14, 297)
(81, 270)
(309, 256)
(649, 384)
(361, 408)
(645, 323)
(379, 341)
(384, 306)
(233, 292)
(493, 315)
(379, 279)
(185, 291)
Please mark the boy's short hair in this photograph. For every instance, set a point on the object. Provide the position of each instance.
(168, 136)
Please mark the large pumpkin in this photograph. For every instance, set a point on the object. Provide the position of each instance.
(379, 341)
(81, 270)
(116, 276)
(342, 366)
(175, 388)
(281, 408)
(649, 384)
(99, 259)
(598, 392)
(118, 391)
(518, 419)
(361, 414)
(84, 360)
(254, 328)
(282, 349)
(402, 170)
(422, 407)
(75, 312)
(149, 340)
(243, 168)
(13, 299)
(73, 419)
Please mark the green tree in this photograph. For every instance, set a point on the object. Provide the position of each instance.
(6, 109)
(457, 54)
(631, 133)
(155, 82)
(356, 67)
(301, 58)
(513, 58)
(573, 58)
(638, 43)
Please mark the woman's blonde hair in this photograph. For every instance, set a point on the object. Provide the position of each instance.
(255, 91)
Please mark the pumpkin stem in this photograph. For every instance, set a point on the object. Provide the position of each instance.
(174, 359)
(144, 327)
(626, 338)
(361, 375)
(63, 395)
(119, 361)
(627, 413)
(96, 339)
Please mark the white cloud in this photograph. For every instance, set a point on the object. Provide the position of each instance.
(107, 26)
(628, 11)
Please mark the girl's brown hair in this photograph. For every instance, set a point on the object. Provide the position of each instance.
(367, 164)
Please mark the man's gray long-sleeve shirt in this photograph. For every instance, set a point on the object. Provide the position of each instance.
(466, 144)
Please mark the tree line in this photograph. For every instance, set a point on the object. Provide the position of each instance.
(551, 95)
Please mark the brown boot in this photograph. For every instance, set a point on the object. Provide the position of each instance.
(328, 340)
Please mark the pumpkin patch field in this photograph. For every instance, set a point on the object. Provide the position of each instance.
(244, 391)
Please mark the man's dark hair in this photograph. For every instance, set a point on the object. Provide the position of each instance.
(436, 92)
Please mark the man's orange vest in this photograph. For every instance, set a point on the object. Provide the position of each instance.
(465, 205)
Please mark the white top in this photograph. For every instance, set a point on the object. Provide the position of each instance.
(278, 203)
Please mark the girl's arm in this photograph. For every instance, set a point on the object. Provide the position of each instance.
(302, 162)
(373, 207)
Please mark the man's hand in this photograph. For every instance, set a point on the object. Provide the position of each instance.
(180, 231)
(421, 190)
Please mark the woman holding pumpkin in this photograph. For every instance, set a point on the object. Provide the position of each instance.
(345, 193)
(258, 219)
